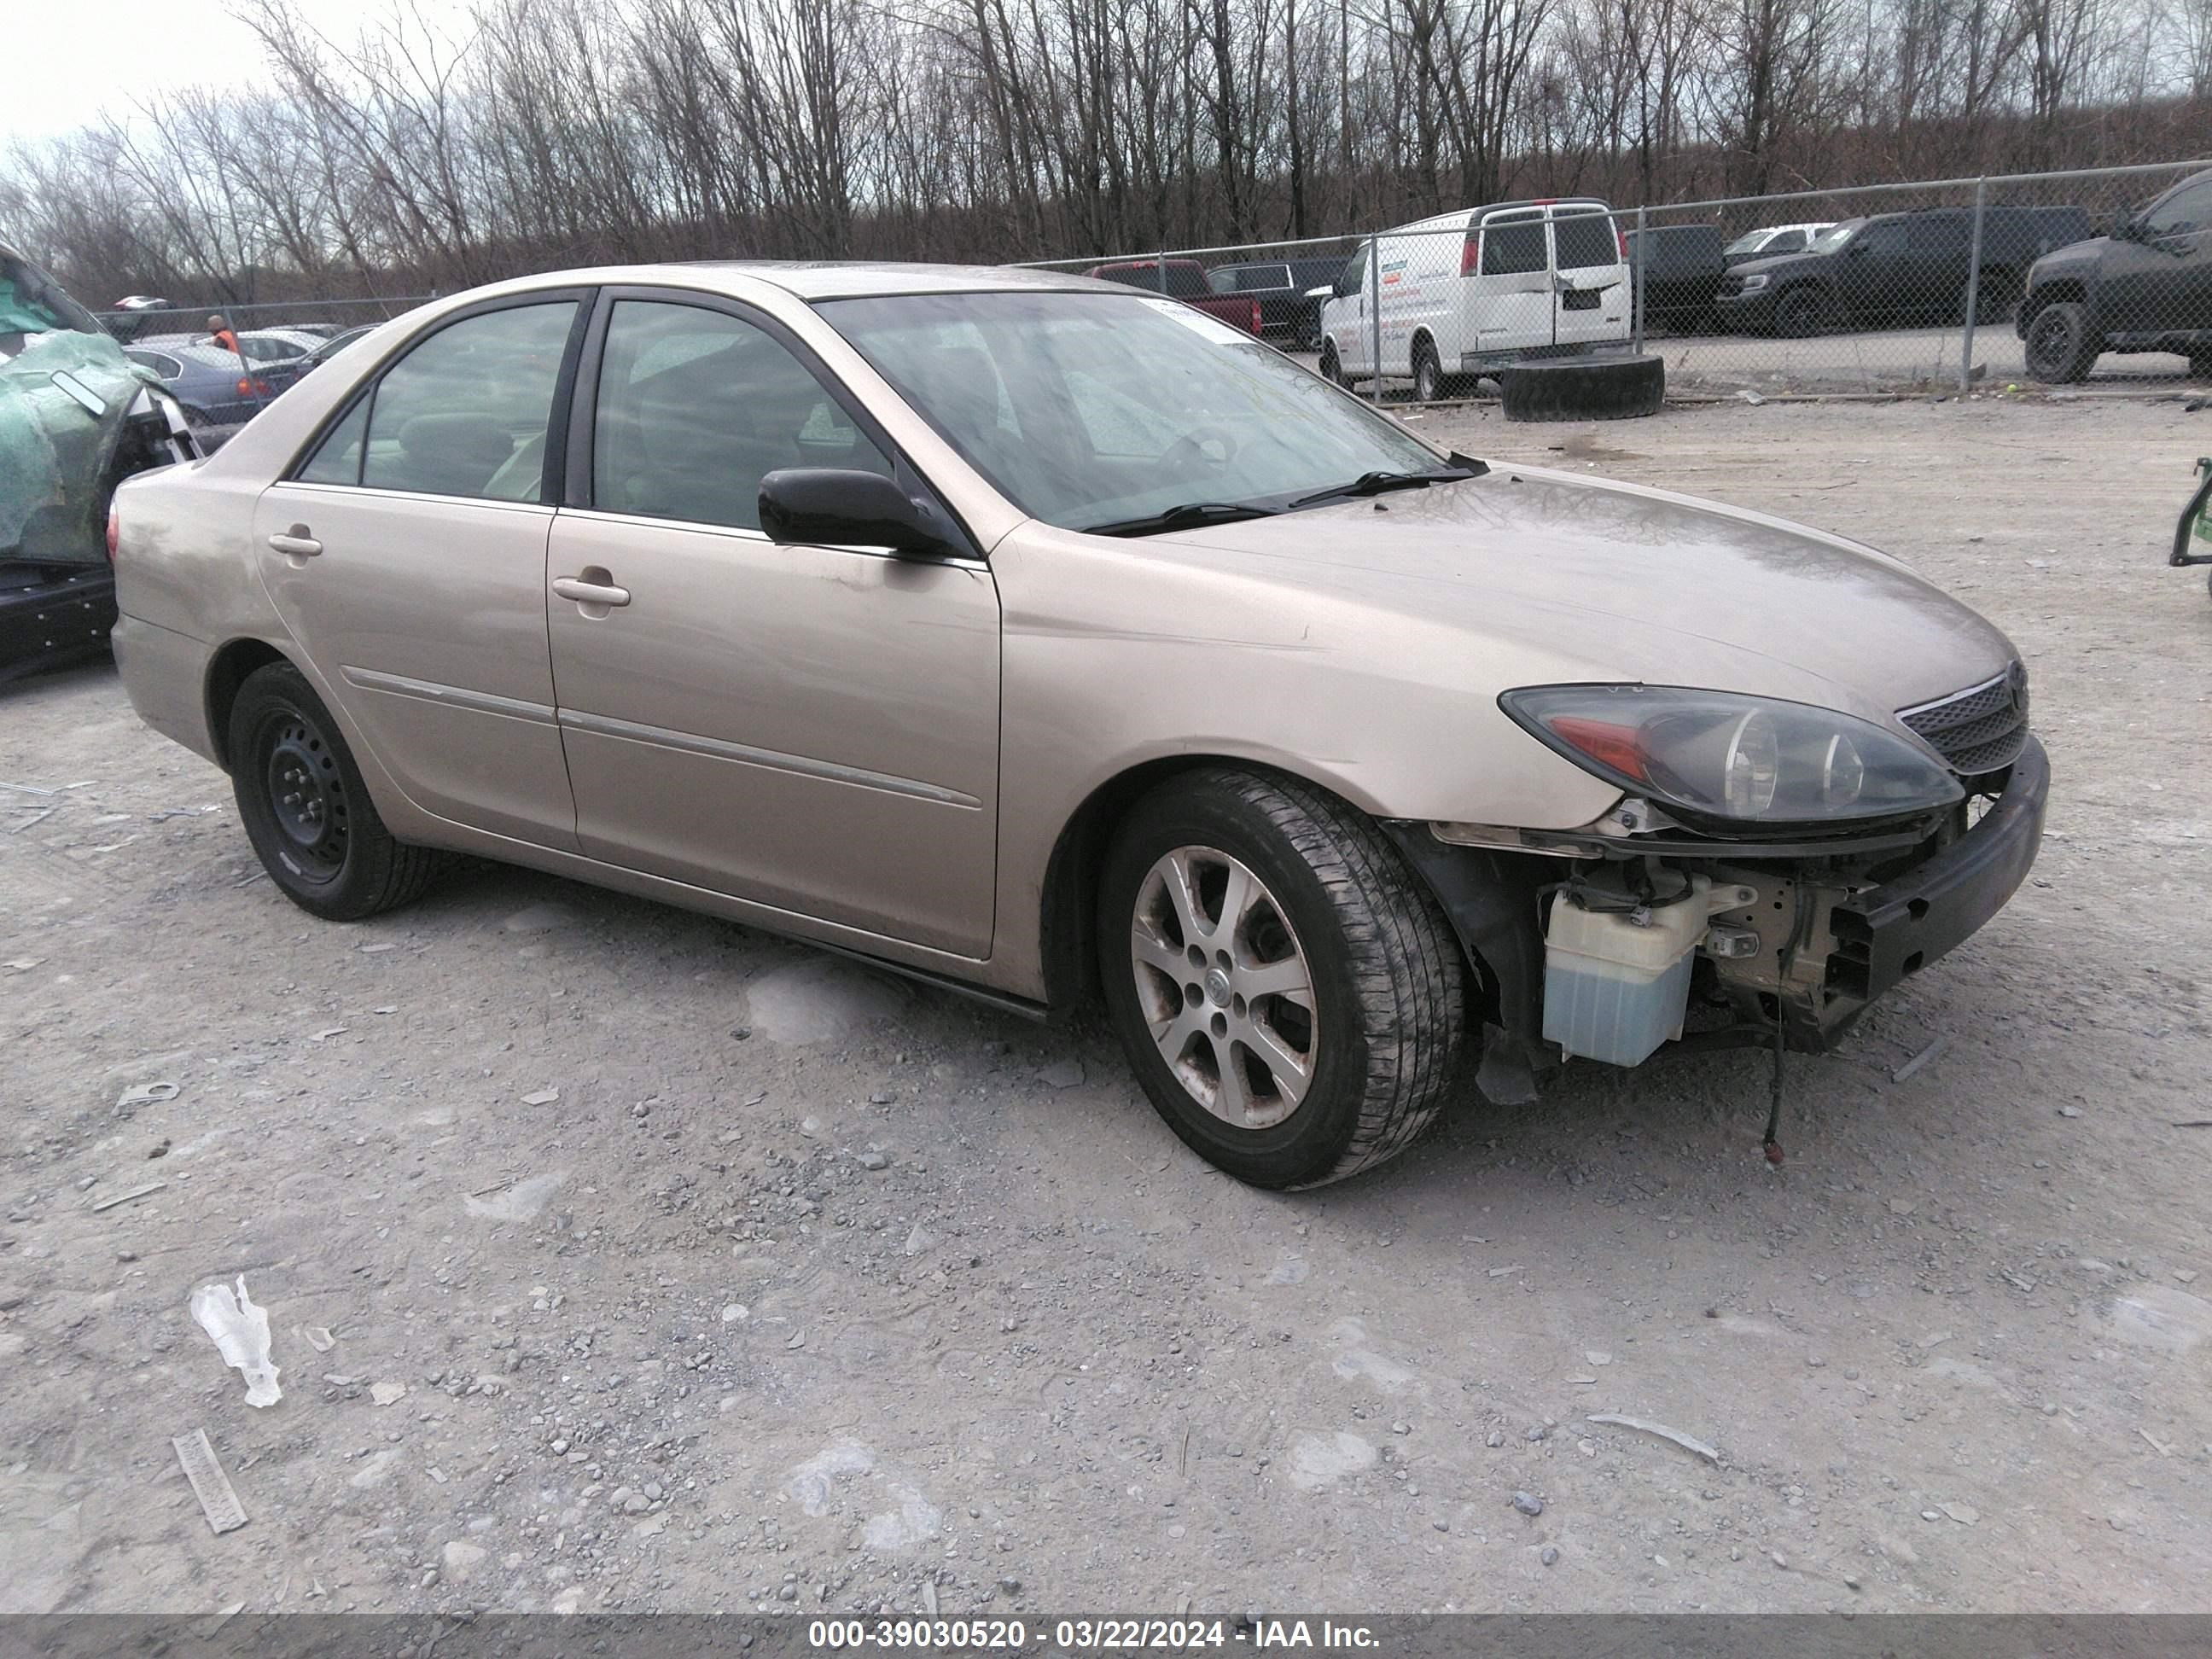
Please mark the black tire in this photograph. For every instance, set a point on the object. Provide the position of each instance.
(2061, 348)
(1583, 388)
(1387, 1007)
(306, 809)
(1331, 368)
(1428, 372)
(1805, 310)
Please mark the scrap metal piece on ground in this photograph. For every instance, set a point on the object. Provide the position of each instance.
(209, 1484)
(1688, 1443)
(125, 1198)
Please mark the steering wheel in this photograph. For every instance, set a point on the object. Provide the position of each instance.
(1191, 448)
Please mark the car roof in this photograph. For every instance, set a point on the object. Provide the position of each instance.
(834, 280)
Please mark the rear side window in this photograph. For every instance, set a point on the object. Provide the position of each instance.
(1262, 278)
(337, 459)
(695, 407)
(1585, 240)
(167, 367)
(465, 412)
(1511, 247)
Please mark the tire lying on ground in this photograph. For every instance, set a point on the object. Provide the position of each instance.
(1583, 388)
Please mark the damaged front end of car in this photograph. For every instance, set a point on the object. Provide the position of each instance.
(76, 418)
(1770, 870)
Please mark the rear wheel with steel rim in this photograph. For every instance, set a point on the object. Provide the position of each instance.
(1286, 989)
(1428, 372)
(306, 809)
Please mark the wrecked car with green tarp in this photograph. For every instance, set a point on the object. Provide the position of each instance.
(76, 418)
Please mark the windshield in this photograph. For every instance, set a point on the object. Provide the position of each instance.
(31, 302)
(1091, 409)
(1834, 236)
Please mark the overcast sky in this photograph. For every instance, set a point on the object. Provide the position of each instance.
(83, 55)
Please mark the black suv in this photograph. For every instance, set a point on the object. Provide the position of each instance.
(1896, 268)
(1281, 287)
(2147, 286)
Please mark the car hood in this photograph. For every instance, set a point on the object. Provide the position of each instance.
(1771, 264)
(2074, 253)
(1527, 575)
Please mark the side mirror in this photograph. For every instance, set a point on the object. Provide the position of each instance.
(836, 507)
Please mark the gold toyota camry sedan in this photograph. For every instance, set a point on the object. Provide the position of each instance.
(1058, 643)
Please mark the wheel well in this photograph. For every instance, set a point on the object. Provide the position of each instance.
(2064, 291)
(226, 673)
(1423, 338)
(1069, 913)
(1068, 918)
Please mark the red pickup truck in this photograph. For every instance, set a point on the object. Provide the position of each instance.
(1185, 281)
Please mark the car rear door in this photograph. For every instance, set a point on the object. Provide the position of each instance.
(1590, 292)
(1506, 298)
(406, 554)
(813, 729)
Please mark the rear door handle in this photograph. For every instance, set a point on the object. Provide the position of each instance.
(584, 593)
(297, 542)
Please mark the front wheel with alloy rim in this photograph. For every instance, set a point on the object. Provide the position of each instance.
(1288, 992)
(2060, 348)
(1804, 312)
(306, 809)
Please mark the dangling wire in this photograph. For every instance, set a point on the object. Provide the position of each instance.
(1774, 1095)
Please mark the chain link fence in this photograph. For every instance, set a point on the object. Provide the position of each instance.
(1948, 286)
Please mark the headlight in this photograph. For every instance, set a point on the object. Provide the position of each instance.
(1746, 760)
(1753, 284)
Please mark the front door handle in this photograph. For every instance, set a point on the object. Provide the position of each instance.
(587, 592)
(297, 542)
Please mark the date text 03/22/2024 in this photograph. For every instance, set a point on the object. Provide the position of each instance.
(1109, 1635)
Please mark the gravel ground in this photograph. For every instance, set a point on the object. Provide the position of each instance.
(667, 1266)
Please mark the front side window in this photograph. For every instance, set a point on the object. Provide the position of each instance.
(2186, 211)
(1514, 246)
(1883, 240)
(1087, 409)
(1786, 241)
(465, 412)
(695, 407)
(1355, 273)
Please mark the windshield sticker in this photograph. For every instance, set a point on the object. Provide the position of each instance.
(1198, 321)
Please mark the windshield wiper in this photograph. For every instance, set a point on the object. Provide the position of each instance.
(1186, 515)
(1375, 483)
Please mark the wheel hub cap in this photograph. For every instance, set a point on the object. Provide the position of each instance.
(1225, 986)
(307, 797)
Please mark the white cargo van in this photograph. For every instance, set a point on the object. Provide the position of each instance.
(1478, 287)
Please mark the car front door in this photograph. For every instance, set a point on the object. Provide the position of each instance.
(1870, 268)
(2158, 277)
(813, 729)
(1508, 298)
(406, 553)
(1350, 326)
(1591, 293)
